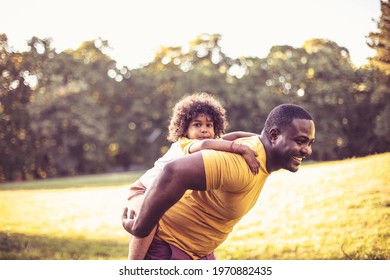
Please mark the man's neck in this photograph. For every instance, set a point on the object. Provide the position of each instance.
(268, 151)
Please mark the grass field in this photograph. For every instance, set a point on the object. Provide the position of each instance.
(334, 210)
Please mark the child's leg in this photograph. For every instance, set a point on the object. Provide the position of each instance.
(138, 247)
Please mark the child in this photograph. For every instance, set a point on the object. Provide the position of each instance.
(198, 121)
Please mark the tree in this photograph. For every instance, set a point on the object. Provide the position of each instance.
(79, 112)
(17, 81)
(69, 111)
(320, 77)
(72, 131)
(380, 41)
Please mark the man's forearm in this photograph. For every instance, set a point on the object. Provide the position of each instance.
(156, 203)
(176, 177)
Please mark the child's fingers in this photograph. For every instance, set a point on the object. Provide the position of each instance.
(132, 214)
(256, 167)
(124, 214)
(127, 222)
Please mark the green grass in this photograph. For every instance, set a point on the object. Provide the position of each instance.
(42, 247)
(87, 181)
(333, 210)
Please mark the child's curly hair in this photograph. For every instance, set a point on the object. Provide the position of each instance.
(191, 106)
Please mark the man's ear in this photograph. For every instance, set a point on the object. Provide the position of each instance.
(274, 134)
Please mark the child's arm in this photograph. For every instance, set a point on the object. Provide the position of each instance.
(237, 134)
(231, 147)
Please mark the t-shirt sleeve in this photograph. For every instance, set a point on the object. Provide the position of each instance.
(185, 144)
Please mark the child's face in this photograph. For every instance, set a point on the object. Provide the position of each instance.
(201, 127)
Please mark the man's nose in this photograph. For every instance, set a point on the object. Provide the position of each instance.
(306, 150)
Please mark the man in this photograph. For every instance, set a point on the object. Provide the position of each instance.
(197, 200)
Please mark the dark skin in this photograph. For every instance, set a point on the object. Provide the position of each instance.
(285, 149)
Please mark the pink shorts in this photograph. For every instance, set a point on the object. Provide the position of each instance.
(160, 250)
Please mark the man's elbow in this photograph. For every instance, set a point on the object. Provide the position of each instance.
(168, 171)
(140, 231)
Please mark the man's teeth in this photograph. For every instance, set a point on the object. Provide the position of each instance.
(298, 158)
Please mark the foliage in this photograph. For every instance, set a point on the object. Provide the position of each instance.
(16, 138)
(79, 112)
(324, 211)
(380, 41)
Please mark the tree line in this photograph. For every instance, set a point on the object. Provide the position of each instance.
(80, 112)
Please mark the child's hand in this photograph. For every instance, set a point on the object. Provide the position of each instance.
(127, 222)
(250, 158)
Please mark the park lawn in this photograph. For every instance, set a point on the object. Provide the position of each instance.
(70, 218)
(333, 210)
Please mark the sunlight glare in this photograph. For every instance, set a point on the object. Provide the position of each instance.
(40, 48)
(300, 92)
(111, 73)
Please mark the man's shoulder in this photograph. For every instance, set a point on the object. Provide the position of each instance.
(253, 142)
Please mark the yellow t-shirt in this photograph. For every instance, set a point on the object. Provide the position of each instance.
(201, 220)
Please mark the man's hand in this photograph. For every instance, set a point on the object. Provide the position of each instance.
(127, 222)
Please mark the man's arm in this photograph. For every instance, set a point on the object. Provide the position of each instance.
(176, 177)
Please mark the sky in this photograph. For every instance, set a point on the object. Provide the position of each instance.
(135, 30)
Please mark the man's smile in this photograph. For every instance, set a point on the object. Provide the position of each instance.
(298, 159)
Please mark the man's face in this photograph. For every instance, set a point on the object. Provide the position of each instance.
(294, 144)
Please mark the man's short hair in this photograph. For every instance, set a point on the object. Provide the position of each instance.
(282, 116)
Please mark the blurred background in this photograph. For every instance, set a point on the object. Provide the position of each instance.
(87, 88)
(87, 110)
